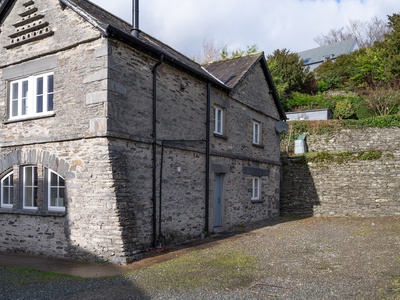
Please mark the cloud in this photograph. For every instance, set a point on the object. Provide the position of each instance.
(270, 24)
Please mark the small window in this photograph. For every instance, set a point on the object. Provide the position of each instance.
(219, 121)
(56, 191)
(7, 187)
(255, 192)
(256, 133)
(32, 96)
(30, 187)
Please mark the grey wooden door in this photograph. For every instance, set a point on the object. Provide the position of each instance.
(218, 200)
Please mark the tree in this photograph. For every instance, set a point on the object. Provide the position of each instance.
(239, 52)
(288, 73)
(336, 74)
(391, 46)
(210, 51)
(366, 33)
(213, 52)
(370, 68)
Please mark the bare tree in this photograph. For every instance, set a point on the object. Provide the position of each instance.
(366, 33)
(382, 99)
(334, 36)
(210, 51)
(375, 31)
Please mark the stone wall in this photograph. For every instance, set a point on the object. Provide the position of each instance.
(354, 187)
(99, 138)
(90, 225)
(43, 235)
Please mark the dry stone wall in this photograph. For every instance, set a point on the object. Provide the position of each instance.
(354, 187)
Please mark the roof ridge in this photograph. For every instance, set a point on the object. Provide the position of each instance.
(234, 58)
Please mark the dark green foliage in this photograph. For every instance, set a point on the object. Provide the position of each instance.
(391, 46)
(344, 109)
(370, 155)
(354, 104)
(368, 81)
(336, 74)
(379, 122)
(288, 73)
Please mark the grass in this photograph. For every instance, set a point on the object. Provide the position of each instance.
(394, 291)
(215, 268)
(22, 277)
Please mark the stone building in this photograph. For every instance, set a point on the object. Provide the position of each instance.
(111, 141)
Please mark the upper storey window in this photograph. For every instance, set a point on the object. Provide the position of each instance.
(218, 121)
(31, 96)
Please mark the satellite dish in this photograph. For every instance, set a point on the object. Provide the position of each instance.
(281, 127)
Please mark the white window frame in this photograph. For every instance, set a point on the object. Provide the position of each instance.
(256, 133)
(256, 189)
(33, 187)
(26, 100)
(10, 186)
(218, 120)
(59, 187)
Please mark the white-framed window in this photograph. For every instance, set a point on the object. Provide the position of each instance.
(256, 188)
(31, 96)
(7, 188)
(56, 191)
(218, 120)
(29, 187)
(40, 189)
(256, 133)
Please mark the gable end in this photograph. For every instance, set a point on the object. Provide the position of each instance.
(30, 27)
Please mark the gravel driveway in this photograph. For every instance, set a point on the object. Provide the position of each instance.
(312, 258)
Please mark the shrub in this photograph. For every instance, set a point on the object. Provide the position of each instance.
(344, 109)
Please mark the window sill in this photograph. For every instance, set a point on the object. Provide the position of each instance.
(257, 201)
(220, 136)
(32, 212)
(258, 146)
(42, 116)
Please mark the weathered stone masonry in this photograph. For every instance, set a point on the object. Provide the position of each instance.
(354, 188)
(100, 138)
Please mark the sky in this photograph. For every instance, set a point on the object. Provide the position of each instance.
(269, 24)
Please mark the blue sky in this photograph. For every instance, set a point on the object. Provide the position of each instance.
(270, 24)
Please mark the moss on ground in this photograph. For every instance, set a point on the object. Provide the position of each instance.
(214, 268)
(22, 277)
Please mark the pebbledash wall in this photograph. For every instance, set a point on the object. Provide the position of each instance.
(353, 188)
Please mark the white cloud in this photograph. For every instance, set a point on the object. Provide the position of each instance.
(290, 24)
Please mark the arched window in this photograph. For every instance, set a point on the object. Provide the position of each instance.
(56, 191)
(7, 187)
(39, 188)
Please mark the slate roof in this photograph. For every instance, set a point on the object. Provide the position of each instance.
(319, 55)
(114, 27)
(231, 71)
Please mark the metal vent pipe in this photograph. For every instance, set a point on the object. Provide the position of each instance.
(135, 18)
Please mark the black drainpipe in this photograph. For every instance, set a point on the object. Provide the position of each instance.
(207, 183)
(154, 149)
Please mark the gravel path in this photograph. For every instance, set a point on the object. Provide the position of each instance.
(313, 258)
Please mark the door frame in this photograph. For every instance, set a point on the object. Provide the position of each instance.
(221, 178)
